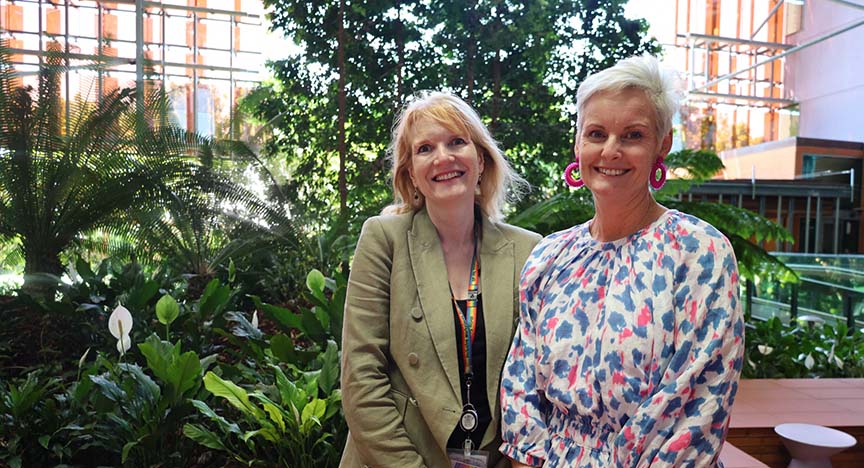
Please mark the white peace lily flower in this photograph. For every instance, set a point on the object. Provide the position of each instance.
(255, 319)
(809, 362)
(120, 322)
(766, 350)
(123, 344)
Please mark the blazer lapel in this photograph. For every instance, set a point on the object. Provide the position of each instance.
(496, 283)
(430, 273)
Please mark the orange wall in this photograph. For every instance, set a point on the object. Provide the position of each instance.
(774, 163)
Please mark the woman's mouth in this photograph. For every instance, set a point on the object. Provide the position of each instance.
(448, 176)
(611, 172)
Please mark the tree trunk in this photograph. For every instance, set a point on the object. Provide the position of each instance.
(400, 54)
(496, 90)
(38, 264)
(470, 49)
(340, 57)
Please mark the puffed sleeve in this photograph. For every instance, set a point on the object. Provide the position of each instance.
(524, 406)
(685, 422)
(375, 424)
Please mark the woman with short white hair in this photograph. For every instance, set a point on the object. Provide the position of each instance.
(630, 341)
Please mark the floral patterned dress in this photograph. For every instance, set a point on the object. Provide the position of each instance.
(628, 352)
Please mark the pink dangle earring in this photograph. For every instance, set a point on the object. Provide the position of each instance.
(575, 182)
(658, 174)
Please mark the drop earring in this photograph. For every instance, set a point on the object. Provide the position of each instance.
(658, 174)
(575, 182)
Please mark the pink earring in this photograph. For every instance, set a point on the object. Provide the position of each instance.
(576, 182)
(658, 175)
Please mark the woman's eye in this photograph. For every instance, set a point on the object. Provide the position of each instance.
(633, 135)
(424, 149)
(458, 141)
(595, 134)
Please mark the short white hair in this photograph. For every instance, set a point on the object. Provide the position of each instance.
(661, 87)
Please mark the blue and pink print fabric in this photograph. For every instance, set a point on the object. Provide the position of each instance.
(628, 353)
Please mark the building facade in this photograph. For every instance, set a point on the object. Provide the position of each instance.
(776, 88)
(205, 54)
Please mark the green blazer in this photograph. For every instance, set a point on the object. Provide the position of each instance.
(400, 376)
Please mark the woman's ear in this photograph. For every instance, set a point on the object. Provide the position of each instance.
(666, 144)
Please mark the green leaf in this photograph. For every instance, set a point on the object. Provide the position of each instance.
(141, 295)
(311, 326)
(214, 298)
(232, 270)
(323, 317)
(167, 310)
(108, 388)
(125, 452)
(282, 347)
(329, 376)
(312, 413)
(315, 282)
(184, 372)
(43, 441)
(235, 395)
(203, 436)
(147, 390)
(280, 314)
(290, 394)
(159, 354)
(84, 270)
(272, 409)
(223, 423)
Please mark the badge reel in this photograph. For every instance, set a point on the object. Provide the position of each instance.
(468, 457)
(468, 421)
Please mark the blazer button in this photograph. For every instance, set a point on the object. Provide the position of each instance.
(413, 359)
(417, 314)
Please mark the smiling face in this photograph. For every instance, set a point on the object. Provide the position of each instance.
(618, 145)
(445, 164)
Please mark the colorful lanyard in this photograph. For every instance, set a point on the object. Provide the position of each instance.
(468, 320)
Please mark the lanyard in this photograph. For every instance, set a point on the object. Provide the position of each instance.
(468, 319)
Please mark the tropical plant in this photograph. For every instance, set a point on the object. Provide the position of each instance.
(25, 413)
(775, 350)
(57, 182)
(292, 416)
(288, 424)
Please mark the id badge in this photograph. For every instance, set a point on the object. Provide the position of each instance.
(468, 459)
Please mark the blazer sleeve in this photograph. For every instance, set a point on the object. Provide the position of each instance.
(375, 424)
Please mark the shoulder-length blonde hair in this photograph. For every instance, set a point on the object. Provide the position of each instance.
(499, 183)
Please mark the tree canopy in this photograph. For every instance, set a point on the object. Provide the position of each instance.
(331, 105)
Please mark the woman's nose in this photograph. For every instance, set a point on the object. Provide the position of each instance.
(612, 148)
(441, 154)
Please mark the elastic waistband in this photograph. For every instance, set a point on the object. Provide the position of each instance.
(581, 430)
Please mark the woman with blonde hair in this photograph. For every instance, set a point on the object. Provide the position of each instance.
(431, 300)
